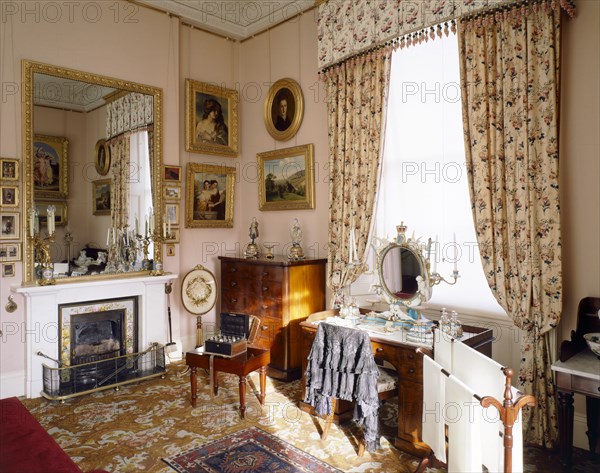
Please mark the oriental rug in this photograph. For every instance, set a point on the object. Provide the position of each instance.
(246, 451)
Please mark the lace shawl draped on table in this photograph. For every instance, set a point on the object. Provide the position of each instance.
(341, 365)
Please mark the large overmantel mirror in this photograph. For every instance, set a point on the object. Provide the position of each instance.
(92, 159)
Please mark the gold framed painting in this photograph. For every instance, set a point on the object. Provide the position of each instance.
(171, 173)
(172, 193)
(8, 270)
(10, 252)
(101, 195)
(9, 169)
(286, 178)
(211, 119)
(10, 226)
(172, 213)
(173, 236)
(284, 109)
(9, 196)
(209, 196)
(102, 157)
(50, 166)
(60, 213)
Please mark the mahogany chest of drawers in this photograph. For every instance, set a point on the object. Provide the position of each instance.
(282, 294)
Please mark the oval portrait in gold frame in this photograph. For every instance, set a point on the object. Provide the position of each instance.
(284, 109)
(102, 157)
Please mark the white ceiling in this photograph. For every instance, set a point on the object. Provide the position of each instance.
(235, 19)
(68, 94)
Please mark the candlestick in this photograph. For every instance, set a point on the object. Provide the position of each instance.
(455, 267)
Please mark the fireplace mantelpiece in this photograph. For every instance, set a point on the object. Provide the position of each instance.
(41, 315)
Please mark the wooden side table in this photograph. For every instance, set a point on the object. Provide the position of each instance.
(579, 374)
(241, 365)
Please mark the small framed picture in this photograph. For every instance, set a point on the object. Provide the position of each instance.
(9, 169)
(50, 166)
(10, 226)
(170, 249)
(10, 252)
(284, 109)
(102, 157)
(173, 236)
(9, 196)
(286, 178)
(172, 173)
(101, 196)
(172, 213)
(172, 193)
(8, 270)
(60, 214)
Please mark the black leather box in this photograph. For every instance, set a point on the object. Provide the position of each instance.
(232, 338)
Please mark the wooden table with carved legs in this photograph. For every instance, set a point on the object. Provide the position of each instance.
(241, 365)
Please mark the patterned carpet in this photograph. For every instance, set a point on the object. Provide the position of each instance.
(134, 428)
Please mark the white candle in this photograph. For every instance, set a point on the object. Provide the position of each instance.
(146, 232)
(169, 228)
(455, 254)
(114, 231)
(435, 254)
(50, 217)
(137, 231)
(107, 236)
(164, 228)
(429, 249)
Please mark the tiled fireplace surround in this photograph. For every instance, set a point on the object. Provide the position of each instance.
(42, 316)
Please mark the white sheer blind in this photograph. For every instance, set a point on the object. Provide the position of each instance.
(424, 181)
(140, 181)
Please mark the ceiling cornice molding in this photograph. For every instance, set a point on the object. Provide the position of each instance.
(226, 22)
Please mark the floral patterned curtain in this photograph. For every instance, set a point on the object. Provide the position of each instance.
(510, 87)
(131, 112)
(357, 96)
(119, 193)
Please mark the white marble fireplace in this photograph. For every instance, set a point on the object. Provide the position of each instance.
(42, 316)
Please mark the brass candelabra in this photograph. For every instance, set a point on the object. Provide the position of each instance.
(41, 246)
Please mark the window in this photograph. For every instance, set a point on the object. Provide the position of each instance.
(424, 179)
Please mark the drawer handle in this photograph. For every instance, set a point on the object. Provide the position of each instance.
(265, 307)
(379, 349)
(233, 284)
(411, 356)
(411, 370)
(233, 270)
(265, 289)
(265, 273)
(233, 299)
(264, 327)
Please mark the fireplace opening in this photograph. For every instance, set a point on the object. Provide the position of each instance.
(97, 336)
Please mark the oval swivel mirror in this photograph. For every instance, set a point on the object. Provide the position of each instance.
(399, 266)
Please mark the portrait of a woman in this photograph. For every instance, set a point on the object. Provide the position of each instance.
(211, 127)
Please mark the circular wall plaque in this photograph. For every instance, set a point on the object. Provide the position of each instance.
(199, 290)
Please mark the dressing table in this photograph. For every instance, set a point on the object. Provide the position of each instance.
(405, 282)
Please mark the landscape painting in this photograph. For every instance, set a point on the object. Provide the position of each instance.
(286, 178)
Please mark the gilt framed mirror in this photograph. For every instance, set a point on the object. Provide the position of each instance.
(83, 108)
